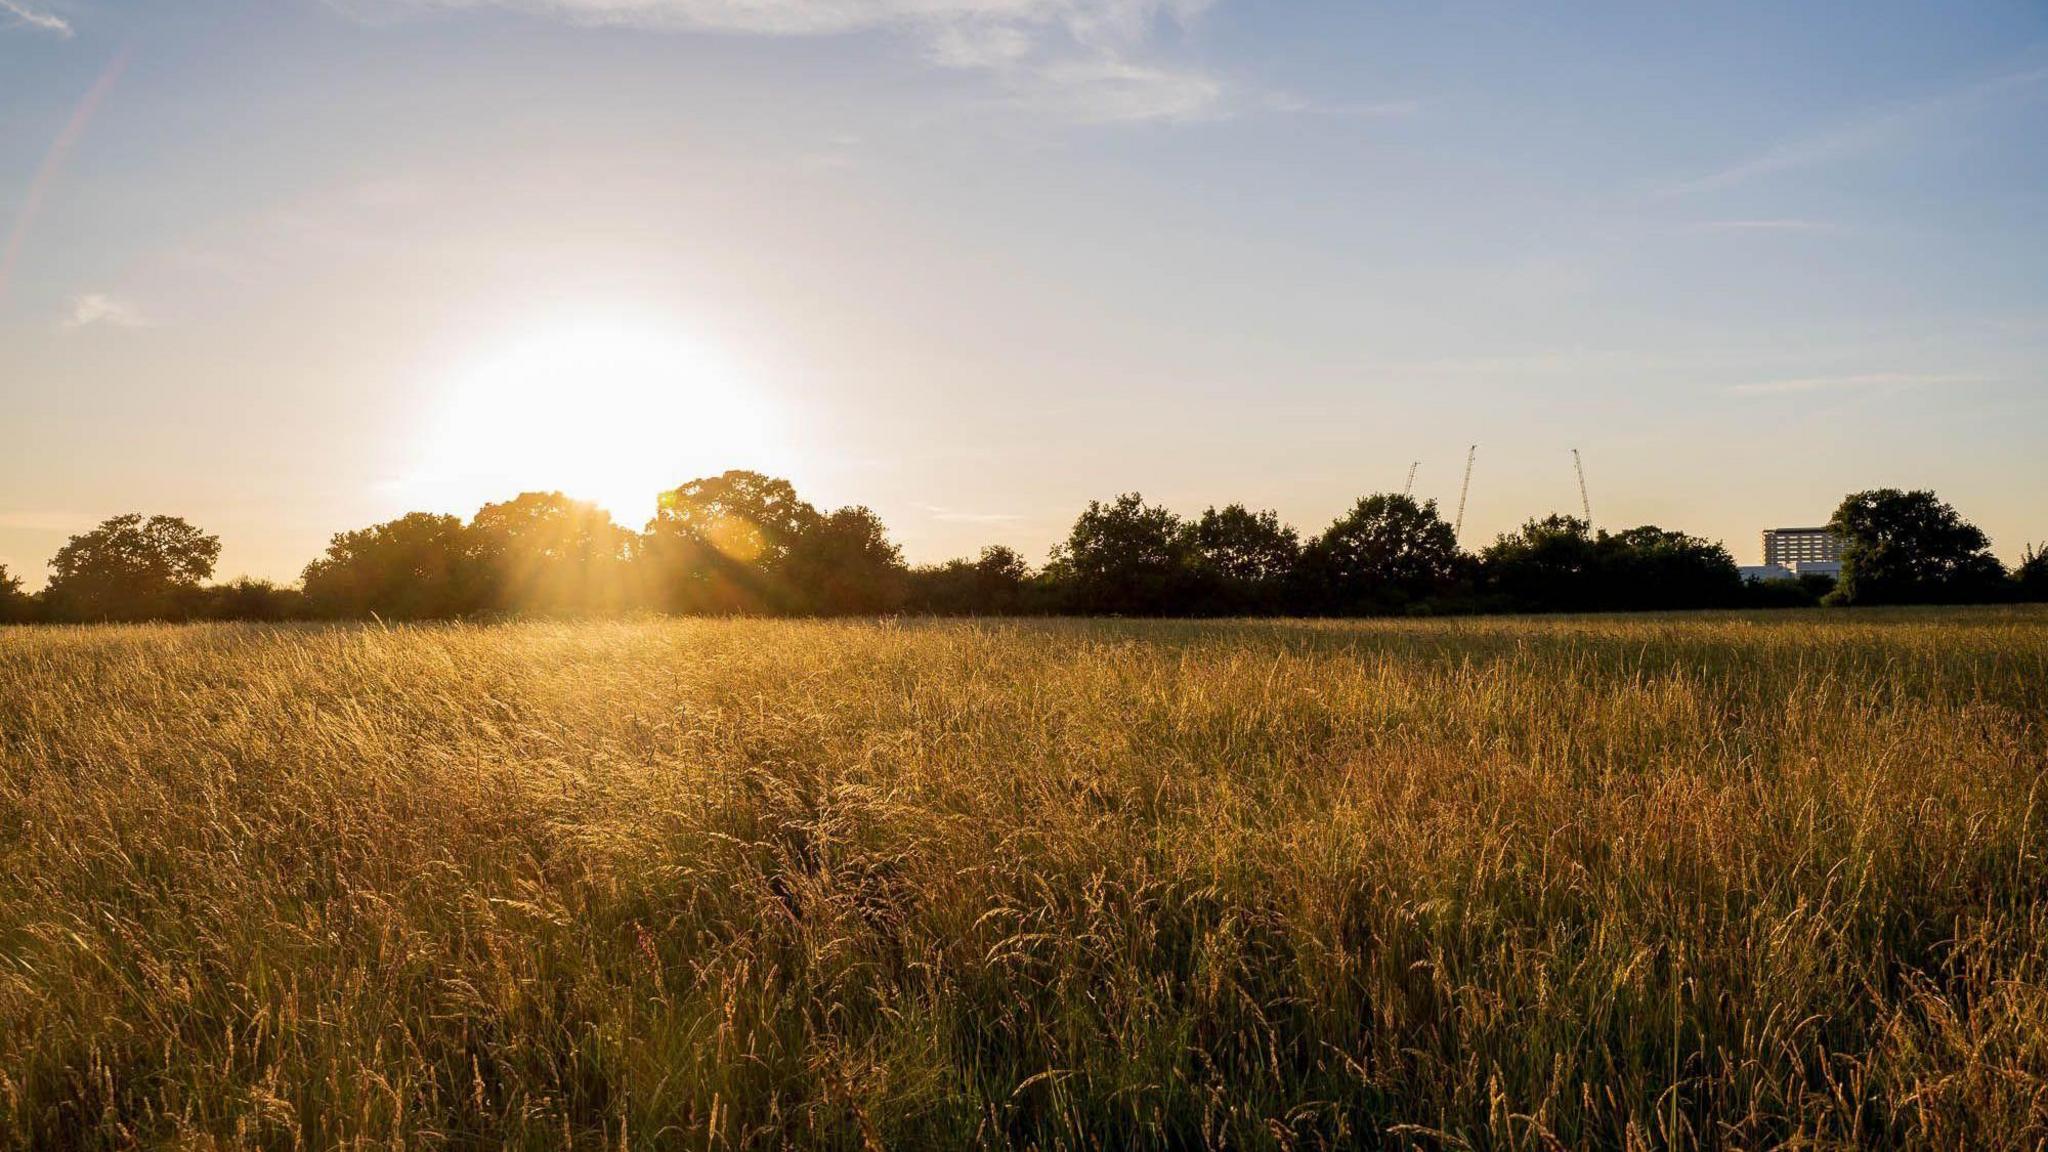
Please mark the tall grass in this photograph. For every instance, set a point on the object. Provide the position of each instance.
(1674, 882)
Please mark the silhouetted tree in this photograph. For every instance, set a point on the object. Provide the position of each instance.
(1126, 557)
(16, 606)
(2030, 579)
(1388, 554)
(1651, 569)
(130, 568)
(1245, 560)
(1910, 548)
(418, 566)
(1549, 565)
(1558, 564)
(247, 599)
(1808, 590)
(543, 552)
(995, 584)
(843, 564)
(717, 544)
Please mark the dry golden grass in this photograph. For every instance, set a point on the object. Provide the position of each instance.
(1713, 881)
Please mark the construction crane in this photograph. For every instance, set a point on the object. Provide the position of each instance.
(1585, 502)
(1458, 530)
(1410, 489)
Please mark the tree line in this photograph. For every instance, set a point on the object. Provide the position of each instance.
(746, 543)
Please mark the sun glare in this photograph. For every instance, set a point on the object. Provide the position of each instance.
(607, 412)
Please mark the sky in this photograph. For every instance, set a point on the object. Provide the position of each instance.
(291, 267)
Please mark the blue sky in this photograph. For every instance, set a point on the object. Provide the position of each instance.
(289, 267)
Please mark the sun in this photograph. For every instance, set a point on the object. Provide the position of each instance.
(610, 411)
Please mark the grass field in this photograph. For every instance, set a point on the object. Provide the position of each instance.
(1622, 883)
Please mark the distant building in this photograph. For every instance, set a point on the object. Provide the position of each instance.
(1771, 573)
(1797, 547)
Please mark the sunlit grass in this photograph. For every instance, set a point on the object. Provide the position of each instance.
(1683, 881)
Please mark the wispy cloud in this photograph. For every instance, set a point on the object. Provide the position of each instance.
(1858, 382)
(1783, 224)
(1282, 101)
(20, 15)
(99, 309)
(957, 516)
(1875, 131)
(1089, 59)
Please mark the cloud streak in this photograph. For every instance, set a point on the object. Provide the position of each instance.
(1857, 382)
(99, 309)
(958, 516)
(1884, 128)
(23, 16)
(1087, 59)
(1785, 224)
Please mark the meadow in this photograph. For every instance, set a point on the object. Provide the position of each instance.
(1658, 882)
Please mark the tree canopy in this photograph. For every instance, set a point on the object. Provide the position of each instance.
(745, 542)
(15, 605)
(131, 568)
(1387, 554)
(543, 552)
(418, 566)
(2030, 579)
(717, 544)
(1246, 560)
(843, 564)
(1126, 557)
(1559, 564)
(1911, 548)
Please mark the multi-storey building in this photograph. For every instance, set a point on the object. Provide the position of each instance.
(1795, 546)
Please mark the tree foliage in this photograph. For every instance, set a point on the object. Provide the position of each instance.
(1559, 564)
(1126, 557)
(16, 606)
(744, 542)
(416, 567)
(545, 553)
(1387, 554)
(843, 564)
(131, 568)
(717, 544)
(1246, 561)
(1911, 548)
(997, 583)
(2030, 579)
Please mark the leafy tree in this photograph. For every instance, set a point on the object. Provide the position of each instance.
(1809, 590)
(843, 564)
(544, 552)
(130, 568)
(1387, 553)
(1245, 559)
(749, 517)
(717, 544)
(2030, 579)
(1558, 564)
(418, 566)
(1549, 565)
(15, 605)
(1126, 557)
(1910, 548)
(1651, 569)
(995, 584)
(247, 599)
